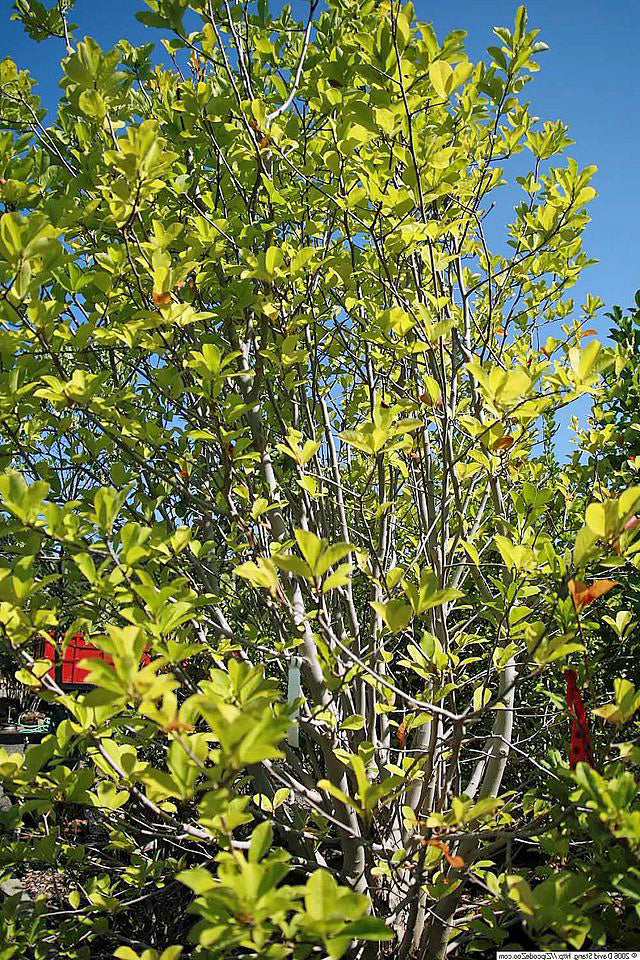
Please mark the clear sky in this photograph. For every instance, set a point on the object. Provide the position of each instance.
(589, 78)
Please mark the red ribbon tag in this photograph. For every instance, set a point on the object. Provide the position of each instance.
(580, 749)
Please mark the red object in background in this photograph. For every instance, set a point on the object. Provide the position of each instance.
(65, 667)
(580, 749)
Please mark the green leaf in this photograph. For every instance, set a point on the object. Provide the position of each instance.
(428, 594)
(626, 703)
(321, 895)
(273, 259)
(339, 794)
(92, 104)
(339, 578)
(317, 554)
(107, 504)
(366, 928)
(197, 879)
(593, 784)
(74, 900)
(261, 840)
(396, 613)
(24, 501)
(311, 547)
(260, 574)
(602, 518)
(584, 546)
(353, 722)
(292, 564)
(441, 76)
(11, 234)
(520, 892)
(481, 697)
(331, 555)
(171, 953)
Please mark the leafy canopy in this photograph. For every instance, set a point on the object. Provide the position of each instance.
(269, 392)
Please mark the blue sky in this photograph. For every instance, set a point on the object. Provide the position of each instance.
(589, 78)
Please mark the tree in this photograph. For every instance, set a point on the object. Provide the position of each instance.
(612, 441)
(272, 402)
